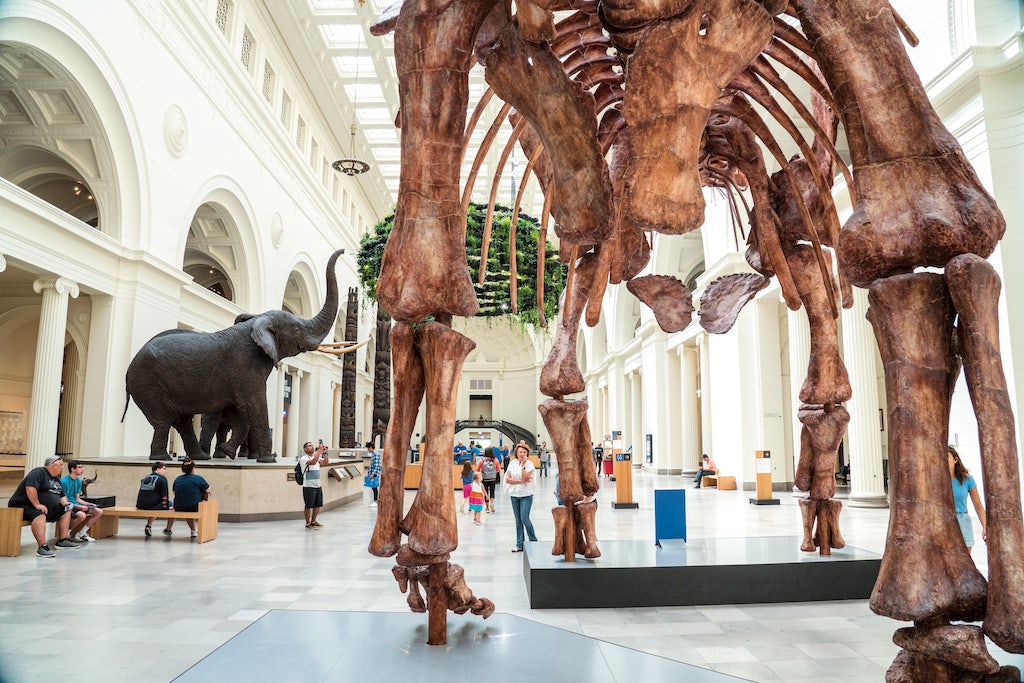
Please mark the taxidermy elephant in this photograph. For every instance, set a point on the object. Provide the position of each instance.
(180, 373)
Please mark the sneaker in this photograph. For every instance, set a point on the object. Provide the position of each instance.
(45, 551)
(373, 505)
(66, 543)
(84, 536)
(168, 533)
(194, 534)
(316, 525)
(149, 530)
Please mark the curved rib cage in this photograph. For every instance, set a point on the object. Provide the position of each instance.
(625, 109)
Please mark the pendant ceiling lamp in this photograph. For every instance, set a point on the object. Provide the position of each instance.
(354, 165)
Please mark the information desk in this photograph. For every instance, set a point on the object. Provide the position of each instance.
(414, 473)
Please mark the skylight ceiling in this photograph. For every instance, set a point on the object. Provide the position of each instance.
(365, 66)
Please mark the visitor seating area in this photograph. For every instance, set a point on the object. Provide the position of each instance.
(206, 528)
(11, 523)
(719, 481)
(10, 531)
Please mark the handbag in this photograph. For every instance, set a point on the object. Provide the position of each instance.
(371, 482)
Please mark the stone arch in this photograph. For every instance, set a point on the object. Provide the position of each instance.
(62, 96)
(301, 294)
(625, 316)
(219, 249)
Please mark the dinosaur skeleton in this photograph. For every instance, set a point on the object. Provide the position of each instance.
(625, 109)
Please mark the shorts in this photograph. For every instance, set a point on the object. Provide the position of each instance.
(313, 496)
(465, 490)
(966, 528)
(52, 515)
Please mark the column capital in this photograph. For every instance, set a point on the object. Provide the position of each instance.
(61, 284)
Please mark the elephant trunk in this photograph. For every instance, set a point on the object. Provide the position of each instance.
(321, 324)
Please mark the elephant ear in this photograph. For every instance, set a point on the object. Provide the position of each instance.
(263, 335)
(242, 317)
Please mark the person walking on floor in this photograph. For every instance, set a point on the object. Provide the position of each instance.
(544, 455)
(519, 480)
(477, 497)
(312, 492)
(489, 467)
(373, 471)
(467, 483)
(964, 486)
(189, 490)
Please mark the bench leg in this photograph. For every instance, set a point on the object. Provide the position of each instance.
(207, 523)
(105, 527)
(10, 532)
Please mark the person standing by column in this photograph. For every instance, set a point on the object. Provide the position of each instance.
(312, 492)
(373, 471)
(519, 479)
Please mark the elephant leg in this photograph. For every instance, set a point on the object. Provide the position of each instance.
(255, 416)
(188, 438)
(209, 427)
(158, 446)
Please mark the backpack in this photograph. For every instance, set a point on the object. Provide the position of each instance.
(299, 476)
(488, 470)
(149, 497)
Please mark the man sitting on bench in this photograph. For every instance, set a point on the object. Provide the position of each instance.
(42, 500)
(707, 467)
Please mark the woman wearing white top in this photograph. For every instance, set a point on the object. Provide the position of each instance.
(519, 480)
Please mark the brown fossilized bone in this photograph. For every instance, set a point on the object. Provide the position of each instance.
(664, 90)
(668, 297)
(433, 53)
(723, 300)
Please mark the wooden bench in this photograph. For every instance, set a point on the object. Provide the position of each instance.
(206, 529)
(11, 523)
(719, 481)
(10, 531)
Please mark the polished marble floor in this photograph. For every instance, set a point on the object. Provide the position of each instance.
(147, 610)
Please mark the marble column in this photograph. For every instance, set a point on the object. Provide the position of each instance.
(45, 403)
(690, 418)
(336, 416)
(68, 403)
(867, 485)
(617, 408)
(799, 357)
(704, 393)
(277, 412)
(636, 436)
(296, 428)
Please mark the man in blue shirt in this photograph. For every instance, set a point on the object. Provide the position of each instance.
(83, 513)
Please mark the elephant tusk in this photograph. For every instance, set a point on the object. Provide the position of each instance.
(339, 348)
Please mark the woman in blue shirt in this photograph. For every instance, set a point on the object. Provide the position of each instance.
(964, 486)
(188, 492)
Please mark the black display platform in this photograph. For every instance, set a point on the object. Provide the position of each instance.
(381, 647)
(707, 571)
(101, 501)
(765, 501)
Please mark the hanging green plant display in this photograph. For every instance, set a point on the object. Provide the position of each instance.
(493, 294)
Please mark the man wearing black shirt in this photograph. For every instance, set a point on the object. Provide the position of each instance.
(42, 500)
